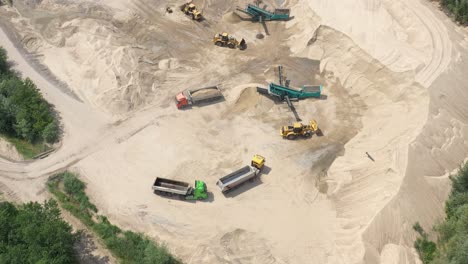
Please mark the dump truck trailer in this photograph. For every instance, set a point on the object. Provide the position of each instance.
(168, 187)
(236, 178)
(197, 96)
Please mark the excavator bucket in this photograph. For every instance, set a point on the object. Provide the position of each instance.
(242, 44)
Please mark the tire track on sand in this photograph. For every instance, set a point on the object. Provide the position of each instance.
(441, 44)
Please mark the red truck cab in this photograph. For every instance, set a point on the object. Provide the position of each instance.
(181, 100)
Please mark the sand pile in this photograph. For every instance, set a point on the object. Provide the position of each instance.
(104, 65)
(238, 246)
(403, 35)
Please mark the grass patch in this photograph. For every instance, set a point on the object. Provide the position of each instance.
(25, 148)
(127, 246)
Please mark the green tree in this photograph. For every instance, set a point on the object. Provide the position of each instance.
(4, 67)
(51, 132)
(35, 233)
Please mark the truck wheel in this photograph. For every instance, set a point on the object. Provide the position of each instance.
(231, 46)
(218, 43)
(193, 17)
(291, 137)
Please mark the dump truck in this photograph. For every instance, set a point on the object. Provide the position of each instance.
(191, 10)
(236, 178)
(299, 129)
(224, 40)
(197, 96)
(168, 187)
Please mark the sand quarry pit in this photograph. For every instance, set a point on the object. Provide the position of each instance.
(395, 86)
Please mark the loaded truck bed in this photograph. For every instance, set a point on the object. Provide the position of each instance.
(282, 11)
(237, 177)
(312, 88)
(205, 94)
(171, 186)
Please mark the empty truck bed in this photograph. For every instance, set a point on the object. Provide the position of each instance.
(171, 186)
(236, 178)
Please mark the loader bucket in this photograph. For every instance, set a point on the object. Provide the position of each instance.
(242, 44)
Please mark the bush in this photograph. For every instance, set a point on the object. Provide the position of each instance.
(4, 67)
(459, 8)
(128, 246)
(425, 248)
(452, 244)
(35, 233)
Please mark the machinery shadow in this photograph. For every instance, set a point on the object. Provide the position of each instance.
(323, 97)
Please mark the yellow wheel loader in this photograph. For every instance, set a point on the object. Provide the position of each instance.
(191, 10)
(299, 129)
(224, 40)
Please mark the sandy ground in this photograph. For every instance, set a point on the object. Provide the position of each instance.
(8, 151)
(394, 74)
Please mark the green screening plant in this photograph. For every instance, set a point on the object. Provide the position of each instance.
(35, 233)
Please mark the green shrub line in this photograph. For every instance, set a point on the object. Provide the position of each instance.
(26, 119)
(127, 246)
(452, 233)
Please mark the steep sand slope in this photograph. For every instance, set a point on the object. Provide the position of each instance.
(379, 201)
(403, 35)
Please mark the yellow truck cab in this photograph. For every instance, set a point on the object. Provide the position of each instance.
(258, 161)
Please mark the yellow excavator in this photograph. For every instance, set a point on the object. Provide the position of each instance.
(299, 129)
(191, 10)
(224, 40)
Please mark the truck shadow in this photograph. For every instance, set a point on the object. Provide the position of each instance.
(265, 170)
(249, 184)
(210, 198)
(203, 104)
(244, 187)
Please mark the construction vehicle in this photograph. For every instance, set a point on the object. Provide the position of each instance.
(242, 175)
(191, 10)
(261, 14)
(299, 129)
(168, 187)
(286, 92)
(197, 96)
(224, 40)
